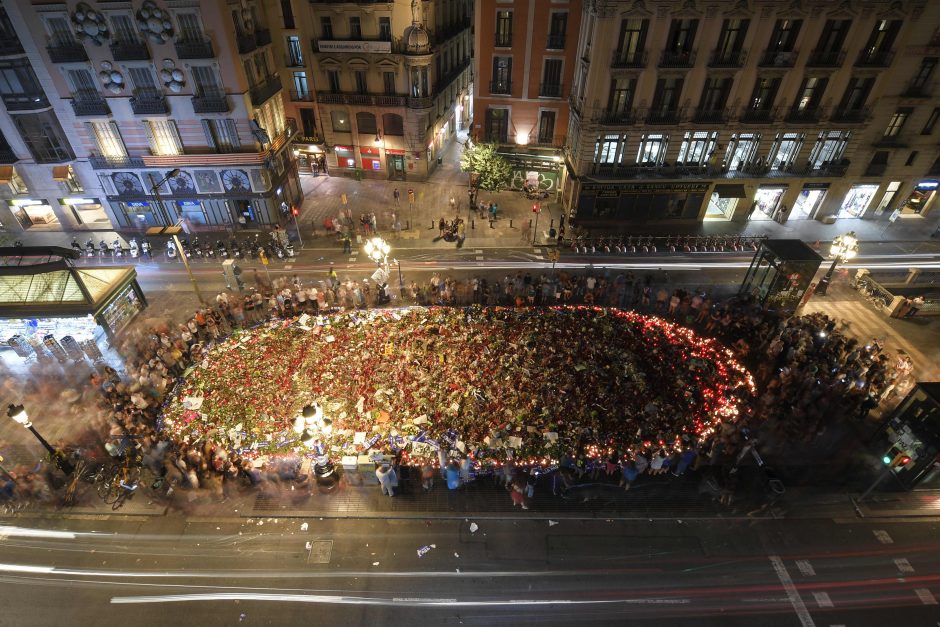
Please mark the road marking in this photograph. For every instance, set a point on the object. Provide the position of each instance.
(926, 597)
(479, 257)
(352, 260)
(795, 600)
(882, 536)
(538, 251)
(479, 252)
(806, 568)
(822, 599)
(903, 565)
(288, 266)
(363, 600)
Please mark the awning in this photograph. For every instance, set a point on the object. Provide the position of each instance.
(6, 174)
(730, 191)
(60, 173)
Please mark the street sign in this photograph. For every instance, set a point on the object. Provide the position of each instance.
(894, 216)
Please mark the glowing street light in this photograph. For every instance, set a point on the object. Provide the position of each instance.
(377, 249)
(844, 247)
(311, 424)
(19, 415)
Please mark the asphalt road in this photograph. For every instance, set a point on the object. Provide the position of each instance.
(170, 570)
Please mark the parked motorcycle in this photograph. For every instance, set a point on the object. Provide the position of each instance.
(171, 252)
(145, 249)
(133, 248)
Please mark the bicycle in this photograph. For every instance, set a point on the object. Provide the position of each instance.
(120, 480)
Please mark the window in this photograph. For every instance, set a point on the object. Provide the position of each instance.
(301, 87)
(829, 148)
(547, 127)
(881, 39)
(355, 28)
(833, 36)
(144, 83)
(308, 122)
(922, 78)
(666, 98)
(504, 29)
(365, 123)
(326, 27)
(765, 90)
(295, 55)
(810, 94)
(897, 121)
(931, 122)
(221, 135)
(697, 147)
(622, 91)
(632, 41)
(551, 78)
(340, 121)
(206, 81)
(419, 82)
(497, 125)
(783, 39)
(190, 28)
(332, 80)
(124, 31)
(72, 183)
(911, 157)
(287, 12)
(60, 31)
(785, 149)
(164, 137)
(741, 150)
(856, 94)
(361, 86)
(610, 149)
(388, 82)
(83, 84)
(731, 40)
(652, 149)
(556, 31)
(715, 94)
(681, 36)
(107, 138)
(393, 124)
(502, 75)
(385, 28)
(17, 79)
(44, 137)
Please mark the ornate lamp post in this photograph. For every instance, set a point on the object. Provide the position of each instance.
(18, 414)
(377, 250)
(844, 247)
(310, 425)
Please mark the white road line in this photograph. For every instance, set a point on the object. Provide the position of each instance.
(479, 257)
(926, 597)
(479, 252)
(398, 601)
(882, 536)
(352, 260)
(822, 599)
(903, 565)
(795, 600)
(806, 568)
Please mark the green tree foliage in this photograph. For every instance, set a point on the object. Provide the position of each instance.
(491, 172)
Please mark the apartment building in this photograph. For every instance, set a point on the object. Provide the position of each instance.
(122, 94)
(392, 83)
(684, 111)
(524, 64)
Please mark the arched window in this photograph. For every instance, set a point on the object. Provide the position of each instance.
(392, 124)
(365, 123)
(340, 121)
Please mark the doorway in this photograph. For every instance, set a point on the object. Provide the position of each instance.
(807, 204)
(396, 167)
(766, 203)
(720, 208)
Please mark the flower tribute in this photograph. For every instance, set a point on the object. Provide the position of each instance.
(528, 385)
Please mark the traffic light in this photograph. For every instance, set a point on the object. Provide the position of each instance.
(295, 211)
(895, 457)
(900, 460)
(535, 207)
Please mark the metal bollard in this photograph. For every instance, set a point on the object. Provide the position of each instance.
(552, 223)
(473, 225)
(510, 223)
(408, 225)
(432, 225)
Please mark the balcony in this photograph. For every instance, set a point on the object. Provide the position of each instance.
(710, 116)
(628, 60)
(369, 100)
(891, 141)
(110, 163)
(826, 58)
(67, 53)
(149, 103)
(7, 156)
(916, 89)
(556, 41)
(874, 58)
(663, 116)
(10, 46)
(417, 102)
(876, 169)
(390, 100)
(195, 49)
(669, 59)
(369, 46)
(246, 42)
(25, 102)
(778, 58)
(130, 51)
(851, 116)
(502, 40)
(211, 103)
(261, 93)
(550, 90)
(301, 96)
(757, 116)
(262, 37)
(617, 117)
(734, 59)
(501, 87)
(90, 103)
(809, 115)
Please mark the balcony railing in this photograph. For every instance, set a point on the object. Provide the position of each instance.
(556, 41)
(916, 89)
(418, 102)
(195, 49)
(728, 59)
(876, 169)
(778, 58)
(130, 51)
(551, 90)
(710, 116)
(617, 117)
(246, 42)
(669, 59)
(851, 116)
(90, 103)
(390, 100)
(110, 163)
(146, 103)
(10, 46)
(807, 115)
(262, 36)
(67, 53)
(211, 103)
(25, 102)
(626, 59)
(377, 100)
(502, 40)
(758, 116)
(892, 141)
(7, 156)
(660, 116)
(261, 93)
(293, 61)
(301, 96)
(501, 87)
(826, 58)
(874, 58)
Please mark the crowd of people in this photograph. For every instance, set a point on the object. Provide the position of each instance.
(811, 373)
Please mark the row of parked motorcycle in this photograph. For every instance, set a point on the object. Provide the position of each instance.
(250, 248)
(679, 244)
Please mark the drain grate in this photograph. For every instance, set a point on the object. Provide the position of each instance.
(320, 552)
(267, 502)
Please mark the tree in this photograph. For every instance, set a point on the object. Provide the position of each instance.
(493, 172)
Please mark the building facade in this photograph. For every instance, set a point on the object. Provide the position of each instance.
(684, 111)
(525, 61)
(392, 83)
(140, 91)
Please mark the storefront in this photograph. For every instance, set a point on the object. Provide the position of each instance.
(396, 164)
(345, 157)
(857, 200)
(371, 159)
(809, 201)
(88, 212)
(310, 159)
(724, 200)
(921, 199)
(639, 202)
(766, 205)
(34, 213)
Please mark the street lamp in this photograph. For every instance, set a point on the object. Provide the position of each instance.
(844, 247)
(19, 415)
(377, 250)
(310, 425)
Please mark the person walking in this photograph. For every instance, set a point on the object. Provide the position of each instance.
(441, 226)
(347, 244)
(397, 196)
